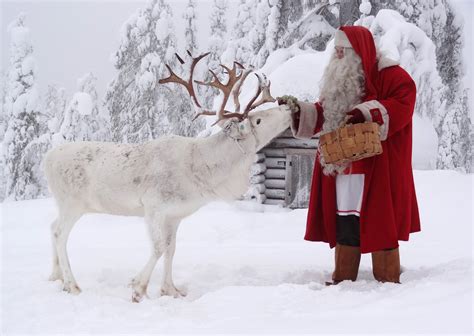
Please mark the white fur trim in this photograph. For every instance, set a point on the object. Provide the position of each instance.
(341, 40)
(375, 104)
(385, 62)
(308, 120)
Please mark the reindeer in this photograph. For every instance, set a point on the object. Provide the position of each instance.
(163, 180)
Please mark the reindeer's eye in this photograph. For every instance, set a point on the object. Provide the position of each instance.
(258, 121)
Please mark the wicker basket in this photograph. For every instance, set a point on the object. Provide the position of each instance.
(350, 143)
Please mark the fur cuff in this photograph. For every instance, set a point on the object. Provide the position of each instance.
(374, 111)
(307, 122)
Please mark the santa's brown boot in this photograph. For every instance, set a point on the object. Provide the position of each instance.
(386, 265)
(347, 260)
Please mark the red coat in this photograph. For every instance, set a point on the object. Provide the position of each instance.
(389, 211)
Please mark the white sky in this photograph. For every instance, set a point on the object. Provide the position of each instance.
(73, 37)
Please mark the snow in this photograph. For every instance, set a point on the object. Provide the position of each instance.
(365, 7)
(28, 65)
(246, 269)
(83, 102)
(146, 80)
(425, 143)
(162, 26)
(293, 78)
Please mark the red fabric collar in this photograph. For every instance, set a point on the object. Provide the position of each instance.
(363, 43)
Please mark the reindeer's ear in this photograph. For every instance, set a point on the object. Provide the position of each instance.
(235, 129)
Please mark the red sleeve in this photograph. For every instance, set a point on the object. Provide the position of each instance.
(400, 98)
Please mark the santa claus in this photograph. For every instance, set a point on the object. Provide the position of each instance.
(369, 205)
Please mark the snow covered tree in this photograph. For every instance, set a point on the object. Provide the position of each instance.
(268, 32)
(98, 118)
(77, 124)
(21, 109)
(245, 19)
(258, 34)
(175, 111)
(217, 46)
(273, 29)
(190, 30)
(217, 39)
(139, 107)
(3, 116)
(238, 47)
(55, 105)
(365, 8)
(280, 24)
(455, 147)
(346, 12)
(3, 127)
(131, 96)
(84, 119)
(291, 11)
(448, 38)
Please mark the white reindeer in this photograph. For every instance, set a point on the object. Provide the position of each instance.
(163, 180)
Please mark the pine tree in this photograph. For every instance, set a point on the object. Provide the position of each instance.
(21, 109)
(280, 24)
(98, 118)
(3, 127)
(55, 105)
(218, 32)
(175, 111)
(3, 116)
(77, 124)
(140, 108)
(455, 137)
(131, 96)
(273, 29)
(217, 46)
(258, 34)
(239, 48)
(190, 30)
(291, 11)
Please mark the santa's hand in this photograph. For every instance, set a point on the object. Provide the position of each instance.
(355, 117)
(290, 101)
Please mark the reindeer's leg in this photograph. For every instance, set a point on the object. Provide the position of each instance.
(170, 227)
(61, 232)
(56, 274)
(140, 282)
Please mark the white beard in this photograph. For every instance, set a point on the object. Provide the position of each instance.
(342, 87)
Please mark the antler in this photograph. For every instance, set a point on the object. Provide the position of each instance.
(173, 78)
(233, 86)
(238, 87)
(226, 89)
(264, 89)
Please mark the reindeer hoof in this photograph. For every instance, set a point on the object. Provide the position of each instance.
(139, 291)
(71, 289)
(136, 296)
(172, 291)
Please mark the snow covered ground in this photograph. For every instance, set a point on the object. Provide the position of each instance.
(246, 269)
